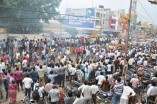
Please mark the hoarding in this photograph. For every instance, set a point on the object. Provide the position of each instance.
(82, 18)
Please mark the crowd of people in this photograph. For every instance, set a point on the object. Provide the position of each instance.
(45, 67)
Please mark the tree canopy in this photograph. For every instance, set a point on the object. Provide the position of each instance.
(23, 16)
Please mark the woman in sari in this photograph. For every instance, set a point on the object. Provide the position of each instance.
(12, 92)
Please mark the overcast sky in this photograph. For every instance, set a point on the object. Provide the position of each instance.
(114, 5)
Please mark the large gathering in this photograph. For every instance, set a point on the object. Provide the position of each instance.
(78, 71)
(78, 52)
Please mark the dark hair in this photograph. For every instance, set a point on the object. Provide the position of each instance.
(153, 84)
(49, 80)
(78, 94)
(101, 73)
(33, 68)
(70, 93)
(119, 79)
(17, 68)
(41, 66)
(129, 84)
(85, 82)
(51, 72)
(106, 77)
(13, 82)
(28, 75)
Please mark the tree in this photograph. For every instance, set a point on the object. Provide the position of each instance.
(23, 16)
(71, 31)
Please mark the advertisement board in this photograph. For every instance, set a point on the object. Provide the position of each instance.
(82, 18)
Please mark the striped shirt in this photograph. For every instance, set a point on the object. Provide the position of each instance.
(118, 88)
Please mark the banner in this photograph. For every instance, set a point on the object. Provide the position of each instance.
(82, 18)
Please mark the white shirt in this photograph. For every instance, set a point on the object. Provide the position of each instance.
(3, 65)
(131, 61)
(81, 88)
(109, 67)
(126, 92)
(87, 92)
(152, 91)
(37, 68)
(72, 70)
(100, 79)
(27, 82)
(94, 89)
(145, 63)
(24, 63)
(155, 68)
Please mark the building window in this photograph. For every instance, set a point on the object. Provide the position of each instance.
(97, 22)
(113, 21)
(97, 14)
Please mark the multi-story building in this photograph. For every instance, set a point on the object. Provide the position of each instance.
(88, 19)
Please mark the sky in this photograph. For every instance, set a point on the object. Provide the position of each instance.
(115, 5)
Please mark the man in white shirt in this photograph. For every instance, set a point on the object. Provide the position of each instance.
(87, 94)
(24, 63)
(155, 67)
(72, 71)
(94, 89)
(127, 93)
(2, 65)
(79, 99)
(130, 62)
(151, 93)
(27, 83)
(100, 78)
(67, 52)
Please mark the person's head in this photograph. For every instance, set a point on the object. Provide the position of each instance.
(54, 87)
(73, 65)
(49, 80)
(5, 73)
(17, 68)
(33, 68)
(48, 65)
(51, 72)
(13, 82)
(106, 77)
(28, 75)
(70, 93)
(155, 74)
(153, 83)
(78, 94)
(28, 65)
(40, 66)
(3, 70)
(118, 79)
(101, 73)
(130, 84)
(85, 82)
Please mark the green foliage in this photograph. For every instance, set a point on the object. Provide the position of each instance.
(23, 16)
(72, 31)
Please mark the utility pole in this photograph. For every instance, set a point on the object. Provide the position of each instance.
(127, 35)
